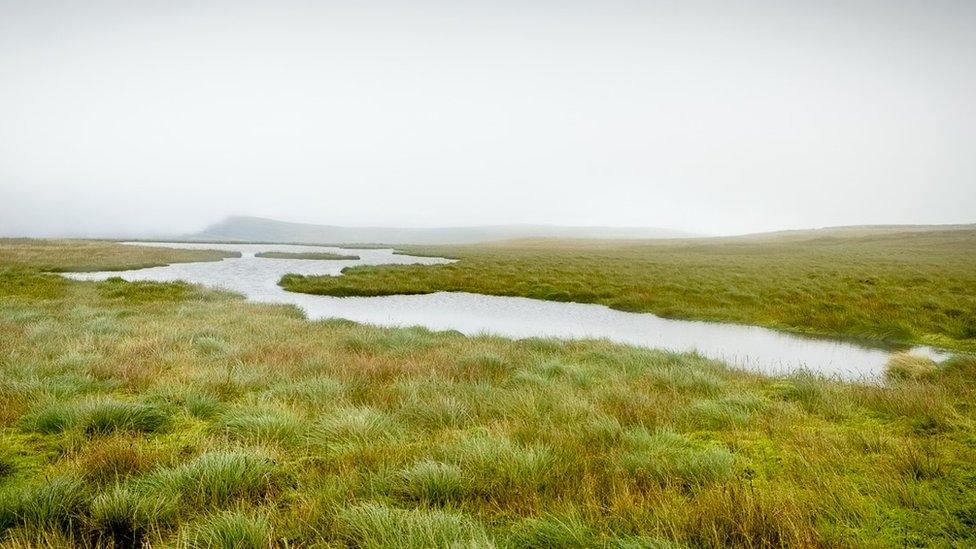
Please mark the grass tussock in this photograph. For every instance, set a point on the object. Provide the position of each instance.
(131, 419)
(907, 366)
(217, 478)
(231, 530)
(431, 482)
(96, 418)
(668, 458)
(263, 426)
(554, 531)
(105, 417)
(374, 525)
(55, 502)
(499, 468)
(123, 516)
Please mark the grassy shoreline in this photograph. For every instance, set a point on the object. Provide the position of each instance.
(174, 415)
(904, 288)
(347, 245)
(95, 255)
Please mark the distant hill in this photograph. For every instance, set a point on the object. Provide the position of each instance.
(256, 229)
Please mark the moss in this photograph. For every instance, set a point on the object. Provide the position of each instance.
(30, 285)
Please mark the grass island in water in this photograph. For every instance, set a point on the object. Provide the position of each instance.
(906, 287)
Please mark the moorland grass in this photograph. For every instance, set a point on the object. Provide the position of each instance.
(373, 525)
(306, 255)
(910, 366)
(94, 255)
(203, 420)
(230, 530)
(903, 287)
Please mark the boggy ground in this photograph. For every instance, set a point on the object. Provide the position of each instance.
(901, 286)
(166, 414)
(93, 255)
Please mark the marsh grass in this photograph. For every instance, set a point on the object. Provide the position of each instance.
(94, 255)
(108, 416)
(144, 292)
(208, 421)
(8, 463)
(215, 479)
(905, 366)
(122, 516)
(230, 530)
(671, 459)
(97, 417)
(51, 419)
(431, 482)
(904, 287)
(498, 468)
(114, 459)
(554, 531)
(271, 426)
(373, 525)
(55, 502)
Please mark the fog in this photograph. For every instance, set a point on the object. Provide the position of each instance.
(138, 118)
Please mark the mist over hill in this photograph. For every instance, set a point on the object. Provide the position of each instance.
(256, 229)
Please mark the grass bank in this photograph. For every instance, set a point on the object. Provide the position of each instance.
(167, 414)
(904, 286)
(306, 255)
(94, 255)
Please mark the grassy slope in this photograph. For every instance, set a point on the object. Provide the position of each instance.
(94, 255)
(166, 413)
(304, 255)
(902, 286)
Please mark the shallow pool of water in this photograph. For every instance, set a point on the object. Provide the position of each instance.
(749, 347)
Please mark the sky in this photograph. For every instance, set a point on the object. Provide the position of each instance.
(135, 118)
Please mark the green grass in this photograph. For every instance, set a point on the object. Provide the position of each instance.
(94, 255)
(903, 366)
(376, 525)
(431, 482)
(305, 255)
(231, 530)
(217, 478)
(671, 459)
(901, 287)
(105, 417)
(200, 420)
(96, 417)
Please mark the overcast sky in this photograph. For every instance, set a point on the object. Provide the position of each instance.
(136, 117)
